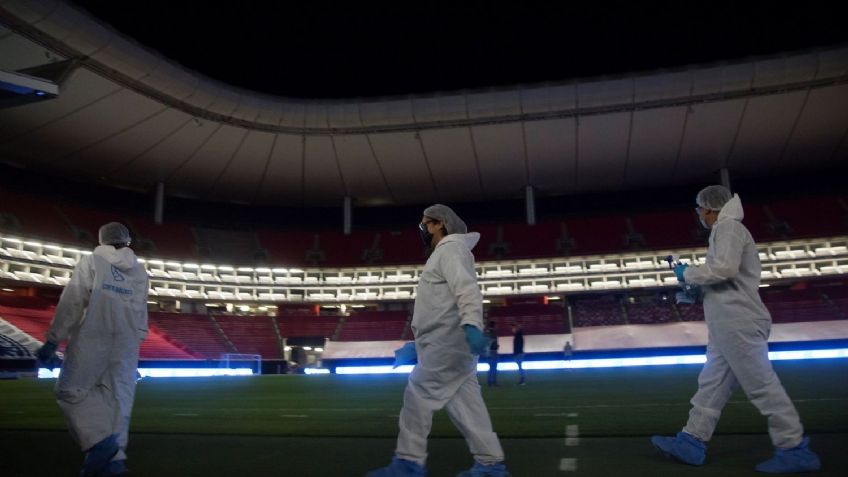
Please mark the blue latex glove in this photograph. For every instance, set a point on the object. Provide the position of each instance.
(679, 269)
(683, 298)
(477, 341)
(406, 354)
(690, 295)
(47, 352)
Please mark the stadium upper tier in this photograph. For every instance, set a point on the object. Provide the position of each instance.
(27, 261)
(572, 234)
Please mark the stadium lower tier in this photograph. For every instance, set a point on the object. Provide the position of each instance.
(662, 339)
(803, 311)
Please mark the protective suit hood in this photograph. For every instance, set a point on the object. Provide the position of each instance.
(123, 259)
(470, 239)
(732, 210)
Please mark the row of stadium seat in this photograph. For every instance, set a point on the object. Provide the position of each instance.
(573, 235)
(35, 322)
(200, 336)
(535, 319)
(822, 302)
(376, 326)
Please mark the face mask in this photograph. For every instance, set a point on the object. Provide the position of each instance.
(426, 236)
(701, 219)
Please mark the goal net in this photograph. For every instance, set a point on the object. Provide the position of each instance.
(242, 361)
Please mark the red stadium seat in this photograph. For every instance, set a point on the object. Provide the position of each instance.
(195, 332)
(604, 310)
(374, 326)
(252, 335)
(535, 319)
(298, 326)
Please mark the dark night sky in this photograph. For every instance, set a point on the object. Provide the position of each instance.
(357, 49)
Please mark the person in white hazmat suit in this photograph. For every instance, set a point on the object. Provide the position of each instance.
(447, 323)
(103, 314)
(737, 350)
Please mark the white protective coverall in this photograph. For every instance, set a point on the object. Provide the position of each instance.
(448, 297)
(103, 315)
(739, 325)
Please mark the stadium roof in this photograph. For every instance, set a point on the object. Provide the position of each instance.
(321, 49)
(128, 116)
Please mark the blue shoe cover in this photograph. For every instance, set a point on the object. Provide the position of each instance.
(98, 457)
(684, 447)
(797, 459)
(480, 470)
(399, 468)
(115, 467)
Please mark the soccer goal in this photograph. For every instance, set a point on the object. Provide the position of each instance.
(242, 361)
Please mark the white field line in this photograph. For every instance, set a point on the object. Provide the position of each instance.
(572, 438)
(568, 464)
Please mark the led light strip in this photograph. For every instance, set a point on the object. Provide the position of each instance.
(482, 367)
(607, 362)
(168, 372)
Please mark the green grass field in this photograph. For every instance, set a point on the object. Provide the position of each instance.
(344, 425)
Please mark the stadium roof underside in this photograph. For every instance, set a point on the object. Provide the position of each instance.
(127, 116)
